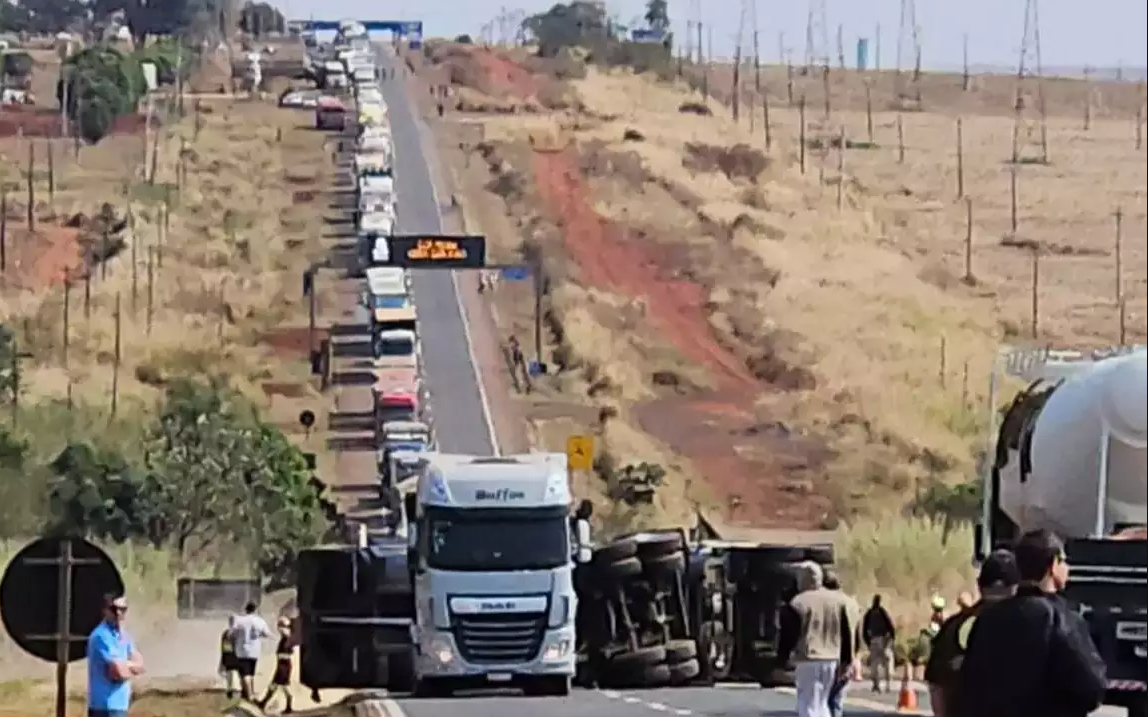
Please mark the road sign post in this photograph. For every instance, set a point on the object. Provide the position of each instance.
(49, 614)
(579, 455)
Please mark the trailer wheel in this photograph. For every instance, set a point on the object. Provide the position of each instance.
(683, 672)
(653, 545)
(617, 550)
(665, 564)
(621, 569)
(656, 676)
(681, 651)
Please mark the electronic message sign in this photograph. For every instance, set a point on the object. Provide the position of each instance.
(428, 251)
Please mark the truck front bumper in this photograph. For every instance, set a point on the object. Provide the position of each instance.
(439, 656)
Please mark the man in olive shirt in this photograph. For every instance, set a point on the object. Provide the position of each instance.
(822, 619)
(997, 580)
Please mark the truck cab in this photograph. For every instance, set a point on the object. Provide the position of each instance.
(1069, 456)
(493, 550)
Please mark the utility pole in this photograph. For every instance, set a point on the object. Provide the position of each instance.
(908, 43)
(1030, 116)
(756, 49)
(735, 96)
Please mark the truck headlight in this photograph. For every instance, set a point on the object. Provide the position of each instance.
(441, 651)
(562, 612)
(556, 650)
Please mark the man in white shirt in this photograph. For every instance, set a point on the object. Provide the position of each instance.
(247, 637)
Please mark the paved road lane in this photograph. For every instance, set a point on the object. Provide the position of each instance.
(461, 418)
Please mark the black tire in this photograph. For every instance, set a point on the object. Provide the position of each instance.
(617, 550)
(401, 672)
(652, 545)
(635, 660)
(656, 676)
(429, 688)
(1138, 707)
(665, 564)
(822, 555)
(549, 686)
(621, 569)
(684, 672)
(681, 651)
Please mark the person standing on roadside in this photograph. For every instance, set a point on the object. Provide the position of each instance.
(820, 616)
(1031, 654)
(284, 664)
(997, 580)
(879, 634)
(113, 661)
(847, 667)
(247, 639)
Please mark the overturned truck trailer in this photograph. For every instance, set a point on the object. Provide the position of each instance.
(655, 609)
(356, 609)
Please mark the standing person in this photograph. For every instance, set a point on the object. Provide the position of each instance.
(1031, 654)
(227, 666)
(819, 615)
(284, 662)
(246, 638)
(113, 661)
(997, 580)
(879, 634)
(847, 666)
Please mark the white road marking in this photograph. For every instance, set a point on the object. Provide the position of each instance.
(655, 706)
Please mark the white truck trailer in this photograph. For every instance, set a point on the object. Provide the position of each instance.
(1069, 456)
(492, 549)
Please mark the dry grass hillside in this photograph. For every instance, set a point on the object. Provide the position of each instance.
(794, 349)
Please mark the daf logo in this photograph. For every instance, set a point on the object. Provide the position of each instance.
(496, 606)
(500, 495)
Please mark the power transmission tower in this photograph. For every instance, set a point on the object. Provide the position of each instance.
(1030, 118)
(816, 37)
(908, 43)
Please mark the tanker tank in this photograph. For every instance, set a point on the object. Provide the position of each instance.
(1057, 437)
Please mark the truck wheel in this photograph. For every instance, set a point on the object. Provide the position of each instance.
(656, 676)
(429, 687)
(683, 672)
(681, 651)
(632, 660)
(621, 569)
(401, 673)
(652, 545)
(549, 686)
(615, 551)
(665, 564)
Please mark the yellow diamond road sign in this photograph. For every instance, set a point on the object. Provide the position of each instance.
(580, 452)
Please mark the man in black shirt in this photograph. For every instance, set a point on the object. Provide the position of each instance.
(879, 634)
(997, 580)
(1030, 654)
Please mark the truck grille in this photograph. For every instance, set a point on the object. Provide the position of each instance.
(499, 638)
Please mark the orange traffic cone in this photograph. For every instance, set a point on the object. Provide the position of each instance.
(907, 699)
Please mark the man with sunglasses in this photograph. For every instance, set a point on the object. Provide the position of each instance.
(1031, 654)
(112, 662)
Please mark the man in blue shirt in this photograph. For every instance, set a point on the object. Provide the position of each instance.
(112, 662)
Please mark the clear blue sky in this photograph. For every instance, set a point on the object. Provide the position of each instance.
(1102, 33)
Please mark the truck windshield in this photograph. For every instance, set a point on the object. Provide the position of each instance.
(494, 540)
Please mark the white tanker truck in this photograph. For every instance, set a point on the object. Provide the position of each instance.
(1069, 456)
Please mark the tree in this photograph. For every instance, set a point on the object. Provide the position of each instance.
(259, 18)
(9, 381)
(43, 16)
(100, 84)
(658, 15)
(145, 18)
(16, 477)
(578, 23)
(98, 493)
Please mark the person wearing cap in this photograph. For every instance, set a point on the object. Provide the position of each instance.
(1032, 654)
(284, 659)
(821, 621)
(113, 661)
(997, 580)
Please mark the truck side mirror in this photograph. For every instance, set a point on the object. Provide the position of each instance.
(582, 550)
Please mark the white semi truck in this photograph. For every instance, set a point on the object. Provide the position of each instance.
(492, 553)
(1069, 456)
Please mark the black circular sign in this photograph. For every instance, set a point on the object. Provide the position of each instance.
(29, 591)
(307, 418)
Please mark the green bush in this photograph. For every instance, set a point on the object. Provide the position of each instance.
(101, 84)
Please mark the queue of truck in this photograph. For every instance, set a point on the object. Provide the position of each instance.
(485, 578)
